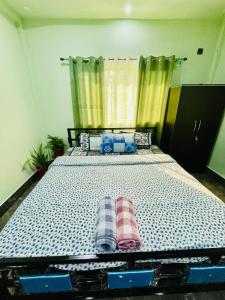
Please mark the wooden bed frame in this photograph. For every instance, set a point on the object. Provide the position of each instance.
(168, 277)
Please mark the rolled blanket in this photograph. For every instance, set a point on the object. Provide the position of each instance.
(105, 239)
(127, 229)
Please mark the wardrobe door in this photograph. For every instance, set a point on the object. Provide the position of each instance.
(184, 148)
(212, 107)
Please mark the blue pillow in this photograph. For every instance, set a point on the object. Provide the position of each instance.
(117, 143)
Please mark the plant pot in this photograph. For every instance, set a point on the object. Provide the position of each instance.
(58, 152)
(41, 171)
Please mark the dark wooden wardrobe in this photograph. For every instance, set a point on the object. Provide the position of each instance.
(192, 119)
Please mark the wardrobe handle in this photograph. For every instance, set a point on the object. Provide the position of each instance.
(199, 125)
(195, 125)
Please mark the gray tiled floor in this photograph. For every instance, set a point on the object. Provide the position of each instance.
(212, 184)
(206, 179)
(4, 219)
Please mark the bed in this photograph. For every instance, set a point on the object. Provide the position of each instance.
(181, 225)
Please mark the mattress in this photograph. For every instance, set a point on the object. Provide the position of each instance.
(173, 210)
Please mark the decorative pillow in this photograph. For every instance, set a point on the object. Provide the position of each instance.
(84, 141)
(142, 139)
(77, 151)
(117, 142)
(94, 143)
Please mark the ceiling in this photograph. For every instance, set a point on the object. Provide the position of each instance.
(117, 9)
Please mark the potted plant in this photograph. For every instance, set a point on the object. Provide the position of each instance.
(56, 144)
(39, 161)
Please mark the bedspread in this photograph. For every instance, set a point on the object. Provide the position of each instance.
(77, 151)
(173, 210)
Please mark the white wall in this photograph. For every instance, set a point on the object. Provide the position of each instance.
(18, 118)
(49, 40)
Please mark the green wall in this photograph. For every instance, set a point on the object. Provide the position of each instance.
(18, 118)
(217, 161)
(49, 40)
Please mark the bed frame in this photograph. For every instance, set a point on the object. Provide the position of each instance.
(168, 277)
(74, 133)
(101, 283)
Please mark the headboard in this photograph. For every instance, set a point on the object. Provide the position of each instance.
(74, 133)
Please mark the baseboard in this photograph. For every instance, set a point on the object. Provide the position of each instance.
(216, 176)
(12, 199)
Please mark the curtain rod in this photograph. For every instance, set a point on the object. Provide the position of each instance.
(178, 58)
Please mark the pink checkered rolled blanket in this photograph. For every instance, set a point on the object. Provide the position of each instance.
(127, 230)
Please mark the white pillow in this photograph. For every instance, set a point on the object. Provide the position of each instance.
(94, 143)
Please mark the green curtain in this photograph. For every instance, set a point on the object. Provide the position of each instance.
(155, 74)
(87, 86)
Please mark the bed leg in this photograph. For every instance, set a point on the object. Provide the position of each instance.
(3, 289)
(131, 264)
(215, 259)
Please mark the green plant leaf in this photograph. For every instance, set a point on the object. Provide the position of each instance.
(55, 142)
(40, 158)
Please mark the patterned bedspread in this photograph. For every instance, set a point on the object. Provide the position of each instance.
(173, 210)
(77, 151)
